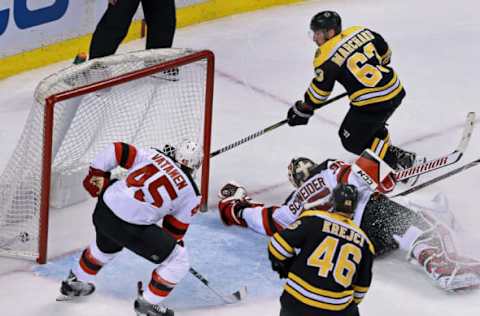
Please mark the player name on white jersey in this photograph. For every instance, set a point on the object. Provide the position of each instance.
(170, 169)
(310, 191)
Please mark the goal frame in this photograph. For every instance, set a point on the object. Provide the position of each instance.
(52, 100)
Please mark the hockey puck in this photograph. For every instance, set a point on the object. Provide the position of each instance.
(24, 237)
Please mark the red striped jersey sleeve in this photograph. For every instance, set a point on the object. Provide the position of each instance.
(174, 226)
(125, 154)
(116, 154)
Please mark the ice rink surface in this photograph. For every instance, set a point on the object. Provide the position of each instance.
(264, 64)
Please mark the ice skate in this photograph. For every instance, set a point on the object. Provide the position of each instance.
(404, 160)
(144, 308)
(72, 287)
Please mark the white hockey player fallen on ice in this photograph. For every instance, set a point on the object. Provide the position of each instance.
(388, 224)
(158, 186)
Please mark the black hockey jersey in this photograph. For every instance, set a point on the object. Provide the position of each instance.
(331, 261)
(358, 59)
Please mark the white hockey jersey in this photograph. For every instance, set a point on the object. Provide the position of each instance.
(315, 193)
(155, 188)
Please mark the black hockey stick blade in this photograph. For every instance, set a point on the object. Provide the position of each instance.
(443, 161)
(265, 130)
(233, 298)
(439, 178)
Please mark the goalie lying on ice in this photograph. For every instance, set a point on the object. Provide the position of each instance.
(388, 224)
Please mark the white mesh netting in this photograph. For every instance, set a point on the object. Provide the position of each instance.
(152, 111)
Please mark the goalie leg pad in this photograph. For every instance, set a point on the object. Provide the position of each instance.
(435, 252)
(447, 273)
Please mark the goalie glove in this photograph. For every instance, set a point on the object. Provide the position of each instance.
(299, 114)
(96, 181)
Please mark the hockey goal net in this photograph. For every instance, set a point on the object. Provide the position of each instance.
(148, 99)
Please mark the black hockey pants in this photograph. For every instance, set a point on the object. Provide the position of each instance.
(362, 124)
(382, 218)
(160, 16)
(113, 234)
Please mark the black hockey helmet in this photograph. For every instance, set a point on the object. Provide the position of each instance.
(299, 170)
(344, 198)
(326, 20)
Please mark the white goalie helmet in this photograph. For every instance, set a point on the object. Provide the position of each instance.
(189, 154)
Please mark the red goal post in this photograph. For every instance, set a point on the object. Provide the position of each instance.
(139, 98)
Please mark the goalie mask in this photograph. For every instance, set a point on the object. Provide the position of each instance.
(299, 170)
(344, 198)
(189, 154)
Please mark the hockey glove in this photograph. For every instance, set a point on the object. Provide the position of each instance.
(96, 181)
(281, 267)
(299, 114)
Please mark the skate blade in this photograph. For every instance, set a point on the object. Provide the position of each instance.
(64, 298)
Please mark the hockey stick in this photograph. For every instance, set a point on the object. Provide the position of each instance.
(443, 161)
(229, 299)
(265, 130)
(439, 178)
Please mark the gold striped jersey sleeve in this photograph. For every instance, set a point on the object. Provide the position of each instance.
(279, 248)
(359, 294)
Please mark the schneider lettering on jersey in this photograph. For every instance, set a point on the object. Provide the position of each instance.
(310, 191)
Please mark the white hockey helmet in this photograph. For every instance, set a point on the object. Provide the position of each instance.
(299, 170)
(189, 154)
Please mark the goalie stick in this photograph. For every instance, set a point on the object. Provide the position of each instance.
(438, 178)
(445, 160)
(229, 299)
